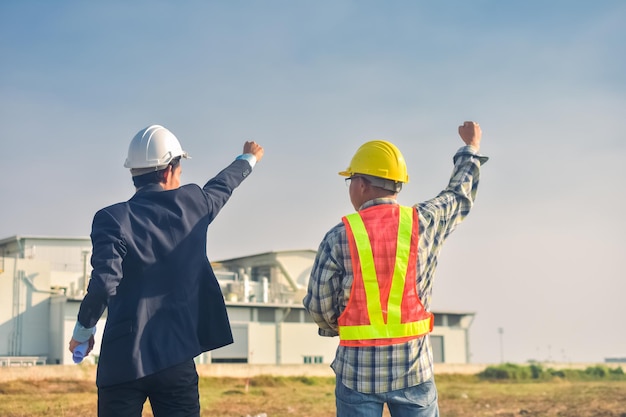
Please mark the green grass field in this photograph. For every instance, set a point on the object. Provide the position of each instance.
(459, 395)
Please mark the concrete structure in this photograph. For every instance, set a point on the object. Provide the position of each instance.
(43, 280)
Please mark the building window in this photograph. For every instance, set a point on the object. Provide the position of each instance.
(257, 273)
(229, 360)
(437, 344)
(313, 359)
(292, 317)
(266, 315)
(454, 320)
(307, 317)
(448, 320)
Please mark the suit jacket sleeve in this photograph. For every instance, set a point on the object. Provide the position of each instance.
(219, 188)
(108, 253)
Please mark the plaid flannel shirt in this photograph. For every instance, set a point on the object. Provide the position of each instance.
(376, 369)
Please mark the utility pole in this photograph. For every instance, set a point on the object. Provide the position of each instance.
(501, 333)
(85, 253)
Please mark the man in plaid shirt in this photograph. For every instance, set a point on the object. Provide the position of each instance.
(376, 362)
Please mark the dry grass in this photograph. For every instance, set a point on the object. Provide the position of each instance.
(302, 397)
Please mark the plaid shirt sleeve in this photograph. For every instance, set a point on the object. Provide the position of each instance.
(444, 212)
(439, 216)
(326, 285)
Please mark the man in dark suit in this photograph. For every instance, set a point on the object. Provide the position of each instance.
(151, 271)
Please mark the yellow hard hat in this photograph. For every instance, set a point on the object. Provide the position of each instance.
(378, 158)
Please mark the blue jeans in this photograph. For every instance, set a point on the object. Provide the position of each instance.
(417, 401)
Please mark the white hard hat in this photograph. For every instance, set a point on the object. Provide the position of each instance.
(153, 147)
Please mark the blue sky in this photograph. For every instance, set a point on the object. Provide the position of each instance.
(541, 255)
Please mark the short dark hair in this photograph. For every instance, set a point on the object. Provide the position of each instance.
(155, 177)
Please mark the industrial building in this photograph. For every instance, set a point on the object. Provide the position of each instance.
(43, 280)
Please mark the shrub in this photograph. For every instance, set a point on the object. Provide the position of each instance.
(506, 371)
(560, 373)
(535, 371)
(597, 371)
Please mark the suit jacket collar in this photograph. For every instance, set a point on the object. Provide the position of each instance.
(149, 187)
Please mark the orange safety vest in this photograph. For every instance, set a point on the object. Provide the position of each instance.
(384, 307)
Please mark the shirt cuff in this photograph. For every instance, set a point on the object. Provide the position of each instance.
(470, 150)
(327, 333)
(82, 334)
(248, 157)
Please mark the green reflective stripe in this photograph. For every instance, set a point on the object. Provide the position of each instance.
(403, 251)
(368, 270)
(389, 331)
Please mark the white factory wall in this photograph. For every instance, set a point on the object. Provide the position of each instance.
(24, 307)
(262, 343)
(301, 340)
(454, 343)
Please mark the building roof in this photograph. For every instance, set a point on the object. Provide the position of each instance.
(265, 254)
(16, 238)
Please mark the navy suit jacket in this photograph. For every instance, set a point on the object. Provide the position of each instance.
(151, 270)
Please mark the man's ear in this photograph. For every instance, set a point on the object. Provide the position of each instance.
(365, 185)
(167, 173)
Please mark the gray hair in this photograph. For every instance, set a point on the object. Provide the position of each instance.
(385, 184)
